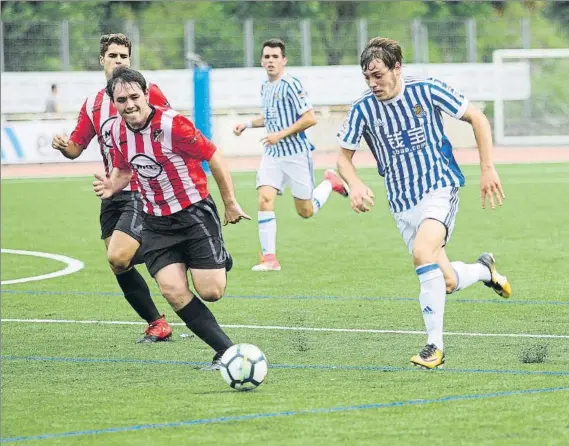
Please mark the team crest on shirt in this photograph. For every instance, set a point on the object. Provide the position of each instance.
(419, 112)
(158, 135)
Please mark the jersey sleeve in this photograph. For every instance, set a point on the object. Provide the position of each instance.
(447, 99)
(156, 97)
(117, 158)
(351, 132)
(84, 131)
(189, 141)
(298, 97)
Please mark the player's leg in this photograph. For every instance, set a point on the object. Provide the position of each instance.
(165, 255)
(430, 277)
(460, 275)
(270, 182)
(429, 240)
(173, 282)
(201, 248)
(206, 257)
(204, 250)
(121, 228)
(426, 228)
(449, 273)
(299, 175)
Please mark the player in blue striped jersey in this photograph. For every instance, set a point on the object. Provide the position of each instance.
(287, 158)
(401, 121)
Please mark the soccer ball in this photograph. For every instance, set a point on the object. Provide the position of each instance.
(243, 366)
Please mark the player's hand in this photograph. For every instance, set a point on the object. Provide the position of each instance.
(103, 187)
(59, 142)
(491, 187)
(271, 139)
(234, 214)
(361, 197)
(238, 129)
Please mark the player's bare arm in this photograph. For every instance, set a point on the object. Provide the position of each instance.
(361, 196)
(307, 120)
(107, 187)
(220, 171)
(259, 121)
(68, 148)
(490, 185)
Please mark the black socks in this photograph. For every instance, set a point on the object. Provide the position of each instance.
(203, 324)
(137, 294)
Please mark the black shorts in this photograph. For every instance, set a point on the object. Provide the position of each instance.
(123, 212)
(191, 236)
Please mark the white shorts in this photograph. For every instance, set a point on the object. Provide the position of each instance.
(440, 204)
(296, 171)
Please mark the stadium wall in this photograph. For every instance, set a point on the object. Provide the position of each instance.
(235, 96)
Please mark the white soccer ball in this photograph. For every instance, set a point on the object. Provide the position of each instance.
(243, 366)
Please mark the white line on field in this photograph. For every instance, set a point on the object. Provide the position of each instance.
(277, 327)
(73, 265)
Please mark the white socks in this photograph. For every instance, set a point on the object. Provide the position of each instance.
(320, 195)
(268, 220)
(468, 274)
(267, 232)
(432, 299)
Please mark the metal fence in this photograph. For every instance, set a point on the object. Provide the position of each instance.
(73, 46)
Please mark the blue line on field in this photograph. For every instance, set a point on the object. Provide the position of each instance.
(371, 368)
(396, 299)
(288, 413)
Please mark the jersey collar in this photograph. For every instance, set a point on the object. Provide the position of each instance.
(146, 124)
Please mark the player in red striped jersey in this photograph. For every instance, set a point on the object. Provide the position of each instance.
(182, 229)
(121, 216)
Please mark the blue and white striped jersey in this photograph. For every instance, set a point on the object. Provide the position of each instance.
(284, 102)
(407, 139)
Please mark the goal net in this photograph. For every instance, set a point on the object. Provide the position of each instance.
(539, 113)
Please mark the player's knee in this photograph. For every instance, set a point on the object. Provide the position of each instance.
(423, 255)
(450, 283)
(305, 212)
(212, 293)
(119, 260)
(265, 203)
(173, 292)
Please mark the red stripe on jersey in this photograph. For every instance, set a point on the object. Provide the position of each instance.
(152, 185)
(179, 191)
(167, 156)
(101, 111)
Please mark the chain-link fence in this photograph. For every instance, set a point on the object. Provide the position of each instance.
(72, 46)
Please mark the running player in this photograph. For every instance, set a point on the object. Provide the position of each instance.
(287, 159)
(182, 229)
(401, 121)
(120, 216)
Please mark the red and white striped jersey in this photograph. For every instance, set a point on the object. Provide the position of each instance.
(95, 119)
(166, 156)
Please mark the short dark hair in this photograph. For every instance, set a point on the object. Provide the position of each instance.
(120, 39)
(124, 75)
(274, 43)
(384, 49)
(53, 87)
